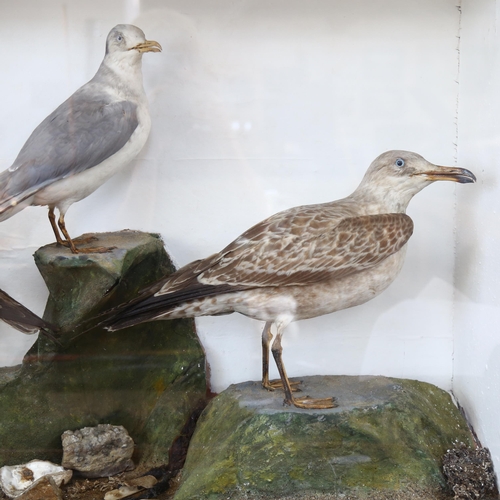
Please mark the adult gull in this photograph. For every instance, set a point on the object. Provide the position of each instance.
(301, 263)
(87, 139)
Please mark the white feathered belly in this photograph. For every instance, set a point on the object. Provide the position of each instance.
(62, 194)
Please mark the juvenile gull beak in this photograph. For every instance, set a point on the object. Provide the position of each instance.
(455, 174)
(147, 46)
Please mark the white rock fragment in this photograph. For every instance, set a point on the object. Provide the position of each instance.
(122, 492)
(16, 479)
(131, 487)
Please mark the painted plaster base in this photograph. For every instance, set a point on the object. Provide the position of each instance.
(386, 437)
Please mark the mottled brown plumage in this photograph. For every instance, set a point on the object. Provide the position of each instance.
(302, 262)
(21, 318)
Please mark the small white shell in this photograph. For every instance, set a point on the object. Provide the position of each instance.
(122, 492)
(16, 479)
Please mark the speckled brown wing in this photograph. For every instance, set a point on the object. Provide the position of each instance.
(294, 248)
(298, 251)
(283, 229)
(304, 255)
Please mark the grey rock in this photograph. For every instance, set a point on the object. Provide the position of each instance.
(101, 451)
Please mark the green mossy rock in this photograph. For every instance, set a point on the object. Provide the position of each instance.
(148, 378)
(387, 435)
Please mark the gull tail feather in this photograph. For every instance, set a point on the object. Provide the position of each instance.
(12, 200)
(9, 205)
(158, 306)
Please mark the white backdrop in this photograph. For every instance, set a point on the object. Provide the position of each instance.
(476, 367)
(258, 106)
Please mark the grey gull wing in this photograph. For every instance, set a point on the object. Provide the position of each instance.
(80, 134)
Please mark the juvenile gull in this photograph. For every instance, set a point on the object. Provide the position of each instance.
(87, 139)
(302, 262)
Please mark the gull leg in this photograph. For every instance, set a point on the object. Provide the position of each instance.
(52, 220)
(64, 231)
(69, 241)
(267, 336)
(60, 241)
(302, 402)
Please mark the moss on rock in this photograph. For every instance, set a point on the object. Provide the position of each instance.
(148, 378)
(386, 435)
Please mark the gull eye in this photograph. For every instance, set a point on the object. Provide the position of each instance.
(400, 162)
(119, 38)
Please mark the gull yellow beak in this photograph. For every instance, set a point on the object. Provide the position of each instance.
(455, 174)
(147, 46)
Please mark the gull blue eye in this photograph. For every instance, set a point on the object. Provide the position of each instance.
(400, 162)
(119, 38)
